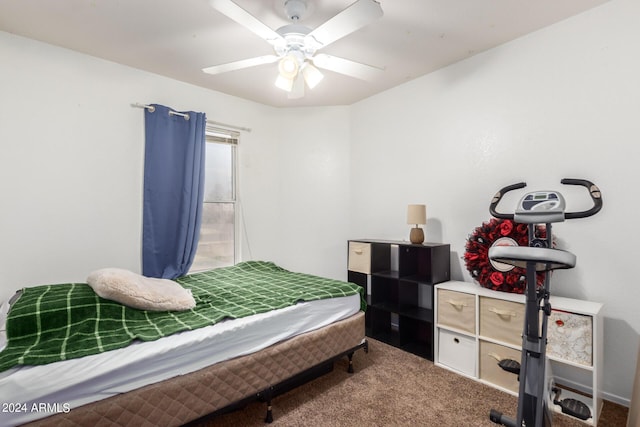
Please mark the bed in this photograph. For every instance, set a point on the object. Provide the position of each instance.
(179, 378)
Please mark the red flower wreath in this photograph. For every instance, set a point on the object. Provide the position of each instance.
(495, 275)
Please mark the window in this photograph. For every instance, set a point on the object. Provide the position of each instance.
(217, 245)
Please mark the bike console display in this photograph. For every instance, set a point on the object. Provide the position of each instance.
(540, 207)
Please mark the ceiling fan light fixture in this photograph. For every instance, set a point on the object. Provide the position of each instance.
(288, 67)
(312, 76)
(284, 83)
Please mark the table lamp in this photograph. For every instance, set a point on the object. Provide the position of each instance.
(417, 215)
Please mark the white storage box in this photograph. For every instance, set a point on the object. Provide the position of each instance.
(457, 351)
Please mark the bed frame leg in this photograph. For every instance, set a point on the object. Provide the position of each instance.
(266, 395)
(364, 345)
(350, 368)
(269, 418)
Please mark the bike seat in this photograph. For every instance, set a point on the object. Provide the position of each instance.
(544, 258)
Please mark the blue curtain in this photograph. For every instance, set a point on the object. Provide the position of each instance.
(173, 191)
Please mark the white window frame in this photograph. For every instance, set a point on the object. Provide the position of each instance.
(219, 135)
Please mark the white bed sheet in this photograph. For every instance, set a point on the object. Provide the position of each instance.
(4, 310)
(26, 392)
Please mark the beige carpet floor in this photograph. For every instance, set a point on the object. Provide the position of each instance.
(391, 387)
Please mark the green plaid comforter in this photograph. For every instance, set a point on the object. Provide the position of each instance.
(57, 322)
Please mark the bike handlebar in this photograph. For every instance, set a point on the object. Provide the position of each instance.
(496, 199)
(594, 192)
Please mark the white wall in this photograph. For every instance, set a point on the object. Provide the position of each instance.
(562, 102)
(294, 192)
(313, 190)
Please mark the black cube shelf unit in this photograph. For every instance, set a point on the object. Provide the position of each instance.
(399, 278)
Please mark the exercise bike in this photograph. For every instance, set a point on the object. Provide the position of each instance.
(538, 207)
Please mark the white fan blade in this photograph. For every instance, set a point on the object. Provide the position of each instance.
(346, 66)
(245, 63)
(244, 18)
(298, 88)
(354, 17)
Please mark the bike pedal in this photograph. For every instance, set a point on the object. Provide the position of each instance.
(510, 365)
(575, 408)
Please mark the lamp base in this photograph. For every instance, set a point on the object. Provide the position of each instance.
(417, 235)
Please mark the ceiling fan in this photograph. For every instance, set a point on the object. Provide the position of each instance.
(296, 45)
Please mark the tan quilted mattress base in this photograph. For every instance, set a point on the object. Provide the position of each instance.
(185, 398)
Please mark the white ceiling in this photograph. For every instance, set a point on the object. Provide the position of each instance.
(177, 38)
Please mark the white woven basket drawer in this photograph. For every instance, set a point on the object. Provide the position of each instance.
(501, 320)
(490, 355)
(457, 310)
(360, 257)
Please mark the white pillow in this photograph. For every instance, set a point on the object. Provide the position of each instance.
(137, 291)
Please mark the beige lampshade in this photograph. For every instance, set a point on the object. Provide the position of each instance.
(417, 214)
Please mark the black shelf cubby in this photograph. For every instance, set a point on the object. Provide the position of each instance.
(399, 278)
